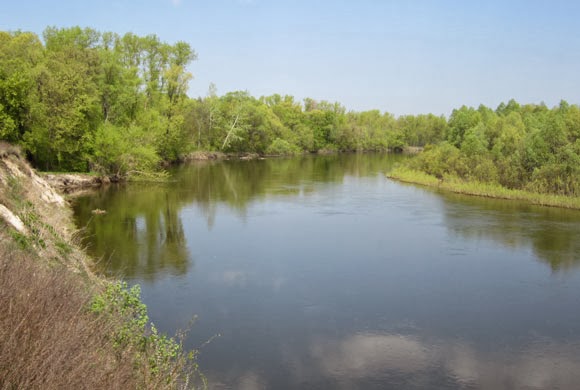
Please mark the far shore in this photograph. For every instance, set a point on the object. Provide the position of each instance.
(487, 190)
(74, 181)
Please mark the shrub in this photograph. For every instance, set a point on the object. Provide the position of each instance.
(280, 147)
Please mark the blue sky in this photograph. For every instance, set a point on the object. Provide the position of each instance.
(404, 57)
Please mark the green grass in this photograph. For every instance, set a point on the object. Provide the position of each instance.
(488, 190)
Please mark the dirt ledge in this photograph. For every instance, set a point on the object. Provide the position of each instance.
(70, 181)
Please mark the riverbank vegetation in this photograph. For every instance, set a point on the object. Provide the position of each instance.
(60, 325)
(484, 189)
(522, 152)
(58, 333)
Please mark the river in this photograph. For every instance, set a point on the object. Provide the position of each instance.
(318, 272)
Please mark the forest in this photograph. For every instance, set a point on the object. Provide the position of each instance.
(81, 100)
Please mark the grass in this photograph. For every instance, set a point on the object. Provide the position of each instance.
(489, 190)
(52, 337)
(7, 149)
(48, 341)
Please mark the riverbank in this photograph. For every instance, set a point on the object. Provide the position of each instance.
(61, 325)
(70, 181)
(205, 155)
(487, 190)
(73, 182)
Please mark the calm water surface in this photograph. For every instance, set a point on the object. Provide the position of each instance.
(320, 273)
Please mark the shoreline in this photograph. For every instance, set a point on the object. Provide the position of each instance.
(67, 181)
(77, 181)
(484, 190)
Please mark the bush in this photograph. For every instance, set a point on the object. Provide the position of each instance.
(123, 151)
(441, 160)
(280, 147)
(159, 356)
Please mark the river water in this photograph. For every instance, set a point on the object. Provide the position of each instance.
(321, 273)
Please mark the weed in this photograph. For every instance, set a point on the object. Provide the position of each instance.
(54, 333)
(20, 239)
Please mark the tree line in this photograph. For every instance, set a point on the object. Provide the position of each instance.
(82, 100)
(526, 147)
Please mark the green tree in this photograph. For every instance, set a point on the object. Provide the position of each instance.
(460, 121)
(20, 56)
(68, 105)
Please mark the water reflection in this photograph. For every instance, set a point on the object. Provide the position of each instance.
(371, 361)
(543, 364)
(551, 233)
(142, 234)
(369, 355)
(238, 183)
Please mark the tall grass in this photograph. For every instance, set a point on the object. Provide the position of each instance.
(454, 184)
(51, 339)
(47, 340)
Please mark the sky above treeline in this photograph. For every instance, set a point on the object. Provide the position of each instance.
(404, 57)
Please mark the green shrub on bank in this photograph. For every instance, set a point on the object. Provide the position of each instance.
(162, 356)
(281, 147)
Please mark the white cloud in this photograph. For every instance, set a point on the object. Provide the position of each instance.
(545, 364)
(364, 355)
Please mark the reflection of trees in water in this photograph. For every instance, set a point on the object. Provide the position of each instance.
(558, 247)
(552, 233)
(142, 233)
(237, 183)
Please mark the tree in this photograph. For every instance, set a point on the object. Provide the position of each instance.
(460, 121)
(68, 107)
(20, 56)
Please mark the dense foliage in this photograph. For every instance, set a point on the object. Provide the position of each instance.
(526, 147)
(81, 100)
(86, 100)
